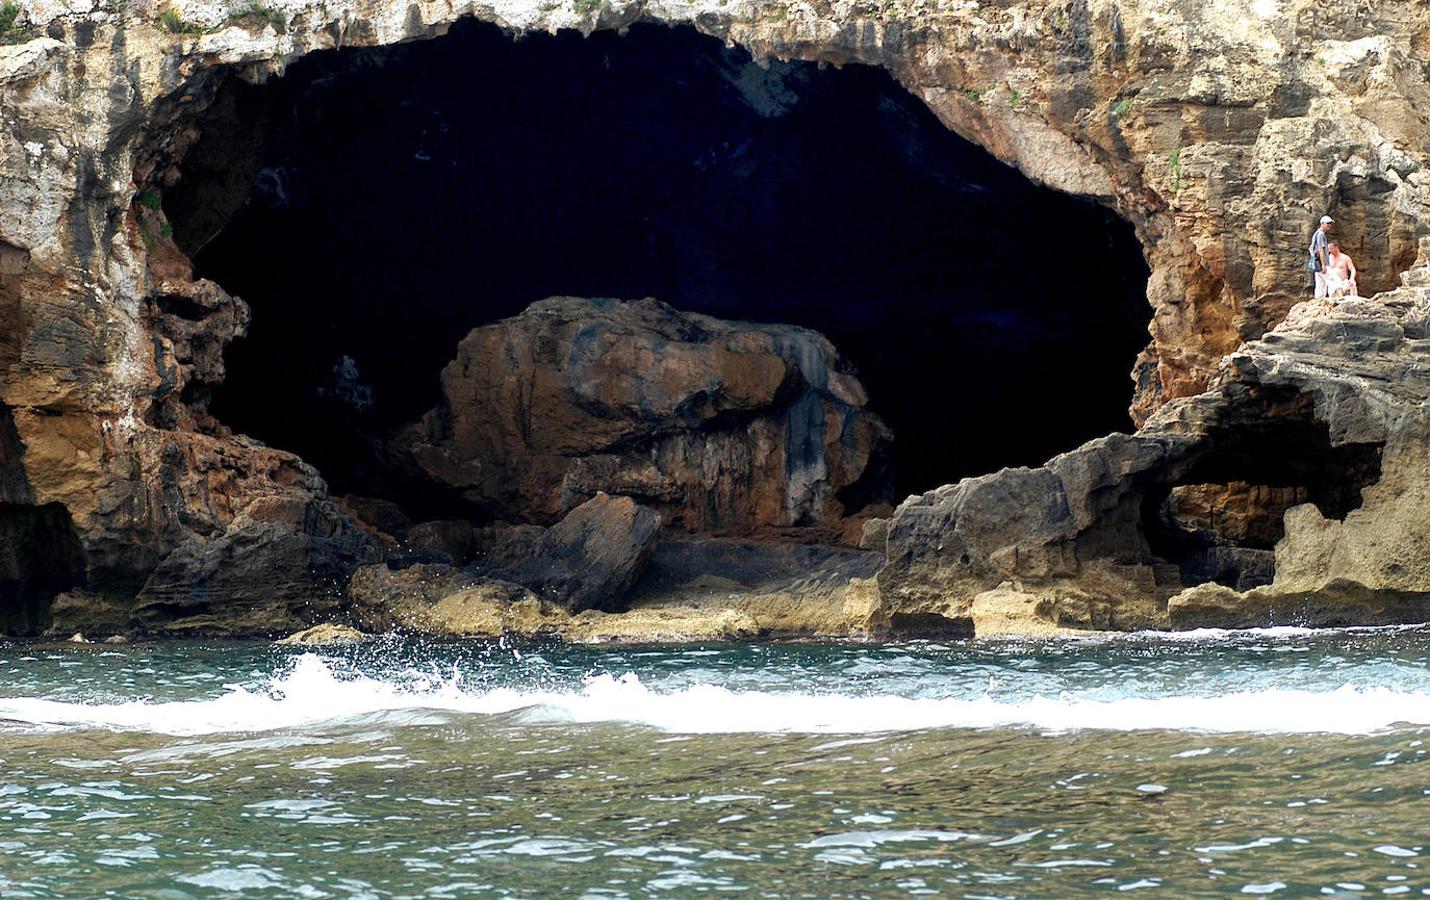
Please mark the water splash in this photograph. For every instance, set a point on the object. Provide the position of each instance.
(316, 692)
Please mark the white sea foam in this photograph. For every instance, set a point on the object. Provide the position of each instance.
(1240, 635)
(313, 693)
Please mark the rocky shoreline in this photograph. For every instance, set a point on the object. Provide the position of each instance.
(1278, 474)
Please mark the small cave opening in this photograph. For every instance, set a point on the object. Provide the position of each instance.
(1221, 520)
(372, 206)
(40, 557)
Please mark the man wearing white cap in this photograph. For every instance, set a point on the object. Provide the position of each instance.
(1319, 263)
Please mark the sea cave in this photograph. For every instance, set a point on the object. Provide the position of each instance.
(373, 206)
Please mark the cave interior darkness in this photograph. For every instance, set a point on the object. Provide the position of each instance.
(377, 204)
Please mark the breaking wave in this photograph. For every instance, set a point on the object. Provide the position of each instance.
(315, 693)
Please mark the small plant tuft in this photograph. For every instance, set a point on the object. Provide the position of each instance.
(1015, 99)
(10, 31)
(260, 14)
(1176, 163)
(173, 22)
(586, 7)
(973, 96)
(148, 199)
(1122, 108)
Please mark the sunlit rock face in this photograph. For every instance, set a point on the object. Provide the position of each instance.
(1219, 132)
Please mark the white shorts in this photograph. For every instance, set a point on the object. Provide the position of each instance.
(1322, 290)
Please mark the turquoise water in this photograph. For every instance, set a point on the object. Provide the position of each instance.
(1282, 762)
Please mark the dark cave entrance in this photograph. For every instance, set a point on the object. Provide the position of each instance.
(374, 205)
(40, 557)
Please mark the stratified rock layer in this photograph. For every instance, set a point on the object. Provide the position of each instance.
(718, 425)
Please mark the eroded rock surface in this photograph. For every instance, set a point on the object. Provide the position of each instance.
(692, 589)
(325, 635)
(436, 599)
(1329, 409)
(588, 560)
(716, 424)
(591, 558)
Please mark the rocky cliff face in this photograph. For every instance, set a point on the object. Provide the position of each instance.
(719, 425)
(1219, 129)
(1312, 447)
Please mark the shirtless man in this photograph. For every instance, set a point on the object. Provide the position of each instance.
(1340, 272)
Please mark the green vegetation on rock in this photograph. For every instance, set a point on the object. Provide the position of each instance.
(10, 31)
(172, 21)
(260, 14)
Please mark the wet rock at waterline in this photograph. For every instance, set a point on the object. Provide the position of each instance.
(588, 560)
(593, 556)
(257, 578)
(325, 635)
(1338, 603)
(690, 589)
(418, 599)
(718, 425)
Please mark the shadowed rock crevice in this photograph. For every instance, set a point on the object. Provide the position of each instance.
(403, 196)
(40, 551)
(40, 557)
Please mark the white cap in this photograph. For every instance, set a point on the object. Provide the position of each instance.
(1326, 220)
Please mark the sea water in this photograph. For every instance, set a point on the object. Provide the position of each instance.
(1281, 761)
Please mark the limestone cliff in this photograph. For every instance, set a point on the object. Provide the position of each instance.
(1220, 129)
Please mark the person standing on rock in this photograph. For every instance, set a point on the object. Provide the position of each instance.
(1319, 260)
(1340, 273)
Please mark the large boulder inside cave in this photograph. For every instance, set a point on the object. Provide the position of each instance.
(717, 425)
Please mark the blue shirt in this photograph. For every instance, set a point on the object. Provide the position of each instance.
(1318, 243)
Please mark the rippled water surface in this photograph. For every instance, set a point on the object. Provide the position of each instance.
(1277, 762)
